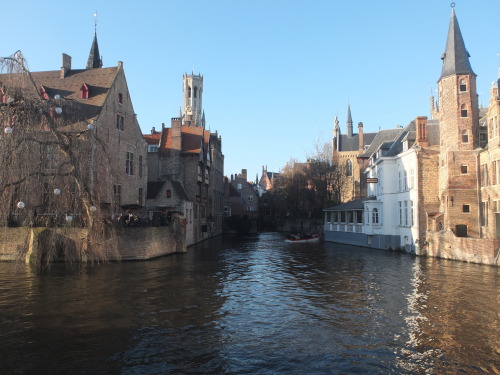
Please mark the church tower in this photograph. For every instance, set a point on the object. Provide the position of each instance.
(192, 87)
(458, 116)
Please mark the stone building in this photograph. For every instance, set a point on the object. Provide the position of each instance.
(346, 148)
(186, 167)
(436, 190)
(90, 144)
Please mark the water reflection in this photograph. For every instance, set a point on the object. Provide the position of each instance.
(252, 305)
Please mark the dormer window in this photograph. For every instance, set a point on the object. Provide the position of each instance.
(463, 85)
(84, 91)
(43, 93)
(120, 98)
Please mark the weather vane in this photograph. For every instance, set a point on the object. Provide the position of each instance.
(95, 20)
(452, 5)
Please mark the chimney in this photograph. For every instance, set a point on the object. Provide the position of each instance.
(66, 65)
(422, 136)
(361, 137)
(153, 131)
(244, 174)
(176, 133)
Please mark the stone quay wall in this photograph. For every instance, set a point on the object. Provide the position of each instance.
(129, 243)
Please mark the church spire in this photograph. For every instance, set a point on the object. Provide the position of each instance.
(94, 60)
(455, 57)
(349, 121)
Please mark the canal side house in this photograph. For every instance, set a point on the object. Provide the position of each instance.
(186, 167)
(435, 188)
(94, 105)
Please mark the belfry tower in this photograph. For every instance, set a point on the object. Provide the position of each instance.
(458, 116)
(192, 87)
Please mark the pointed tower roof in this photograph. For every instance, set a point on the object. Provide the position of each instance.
(349, 121)
(94, 60)
(455, 57)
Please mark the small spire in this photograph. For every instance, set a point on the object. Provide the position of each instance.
(349, 121)
(455, 58)
(94, 60)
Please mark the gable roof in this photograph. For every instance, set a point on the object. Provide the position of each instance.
(381, 137)
(98, 82)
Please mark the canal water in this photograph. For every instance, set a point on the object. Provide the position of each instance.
(253, 305)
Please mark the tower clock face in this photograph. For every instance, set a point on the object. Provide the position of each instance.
(188, 108)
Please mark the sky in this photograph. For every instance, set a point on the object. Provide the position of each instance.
(276, 72)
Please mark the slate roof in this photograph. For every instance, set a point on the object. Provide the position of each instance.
(193, 139)
(386, 135)
(433, 132)
(455, 58)
(154, 187)
(354, 205)
(352, 143)
(179, 190)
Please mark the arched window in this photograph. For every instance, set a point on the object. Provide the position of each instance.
(465, 136)
(195, 91)
(375, 216)
(348, 168)
(463, 110)
(463, 85)
(189, 92)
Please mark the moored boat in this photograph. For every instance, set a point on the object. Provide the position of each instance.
(303, 238)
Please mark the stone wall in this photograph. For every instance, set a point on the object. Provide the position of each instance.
(446, 245)
(129, 243)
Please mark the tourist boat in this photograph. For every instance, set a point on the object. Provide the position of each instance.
(303, 238)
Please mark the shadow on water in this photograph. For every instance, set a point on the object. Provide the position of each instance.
(254, 305)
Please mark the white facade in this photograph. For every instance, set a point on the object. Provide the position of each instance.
(394, 212)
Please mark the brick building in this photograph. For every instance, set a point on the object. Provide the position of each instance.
(186, 167)
(91, 132)
(346, 149)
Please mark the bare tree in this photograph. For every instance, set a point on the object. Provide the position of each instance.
(50, 156)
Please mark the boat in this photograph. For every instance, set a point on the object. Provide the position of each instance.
(303, 238)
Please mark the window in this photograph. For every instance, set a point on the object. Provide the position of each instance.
(129, 164)
(169, 193)
(153, 148)
(496, 172)
(465, 136)
(140, 196)
(359, 217)
(405, 181)
(239, 186)
(411, 214)
(463, 85)
(484, 214)
(140, 166)
(406, 213)
(117, 198)
(484, 174)
(412, 178)
(466, 208)
(400, 205)
(463, 110)
(120, 98)
(250, 198)
(328, 217)
(400, 181)
(461, 230)
(342, 217)
(195, 91)
(348, 168)
(375, 216)
(463, 169)
(119, 122)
